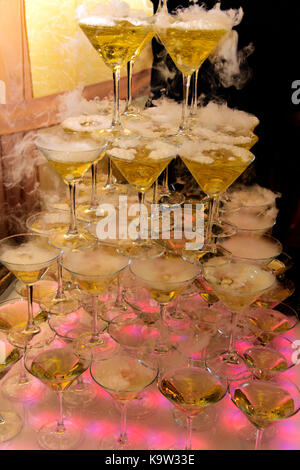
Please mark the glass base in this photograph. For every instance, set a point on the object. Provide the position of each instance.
(62, 306)
(80, 394)
(170, 198)
(31, 390)
(103, 349)
(141, 249)
(11, 425)
(176, 319)
(92, 214)
(203, 421)
(110, 443)
(227, 366)
(49, 438)
(110, 311)
(74, 242)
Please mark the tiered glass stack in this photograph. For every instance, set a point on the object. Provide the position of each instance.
(204, 316)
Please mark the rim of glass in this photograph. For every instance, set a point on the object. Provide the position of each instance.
(171, 283)
(94, 276)
(240, 261)
(278, 379)
(126, 391)
(45, 237)
(269, 258)
(50, 212)
(76, 151)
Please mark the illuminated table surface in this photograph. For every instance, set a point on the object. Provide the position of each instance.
(229, 428)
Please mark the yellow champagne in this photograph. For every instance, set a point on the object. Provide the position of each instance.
(165, 278)
(70, 171)
(265, 360)
(191, 389)
(117, 41)
(14, 315)
(189, 48)
(11, 357)
(57, 368)
(263, 402)
(142, 163)
(215, 166)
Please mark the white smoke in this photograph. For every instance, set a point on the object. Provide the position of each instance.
(230, 64)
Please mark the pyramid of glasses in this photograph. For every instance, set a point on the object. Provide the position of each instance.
(126, 312)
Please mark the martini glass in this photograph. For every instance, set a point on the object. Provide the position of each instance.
(13, 318)
(94, 270)
(191, 389)
(215, 166)
(116, 36)
(28, 256)
(237, 284)
(141, 160)
(49, 223)
(267, 361)
(71, 156)
(11, 423)
(57, 366)
(124, 377)
(189, 36)
(265, 402)
(165, 278)
(272, 322)
(245, 247)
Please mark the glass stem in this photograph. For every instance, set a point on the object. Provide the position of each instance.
(217, 207)
(155, 190)
(166, 180)
(60, 289)
(23, 378)
(109, 173)
(259, 434)
(141, 202)
(130, 65)
(60, 423)
(211, 216)
(189, 422)
(30, 322)
(94, 186)
(185, 103)
(72, 228)
(195, 94)
(79, 384)
(119, 293)
(231, 347)
(95, 317)
(123, 439)
(116, 122)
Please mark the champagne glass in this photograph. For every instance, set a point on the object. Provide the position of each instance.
(124, 377)
(71, 156)
(11, 423)
(28, 256)
(191, 389)
(189, 43)
(165, 278)
(57, 366)
(13, 318)
(261, 249)
(215, 166)
(272, 322)
(265, 361)
(237, 284)
(265, 402)
(117, 35)
(49, 223)
(94, 270)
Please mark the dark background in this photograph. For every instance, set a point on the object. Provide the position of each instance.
(273, 28)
